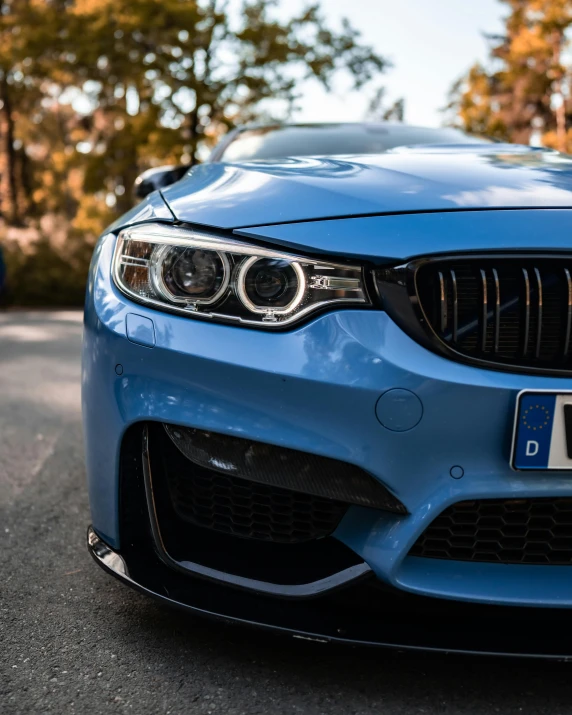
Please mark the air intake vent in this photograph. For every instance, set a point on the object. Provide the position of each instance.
(281, 467)
(508, 531)
(512, 311)
(255, 511)
(260, 491)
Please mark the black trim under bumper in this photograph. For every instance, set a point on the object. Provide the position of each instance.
(362, 614)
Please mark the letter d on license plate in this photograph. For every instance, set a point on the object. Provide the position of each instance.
(543, 431)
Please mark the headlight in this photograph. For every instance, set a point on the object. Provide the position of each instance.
(209, 277)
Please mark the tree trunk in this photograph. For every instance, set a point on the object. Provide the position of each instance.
(12, 214)
(25, 181)
(557, 87)
(194, 133)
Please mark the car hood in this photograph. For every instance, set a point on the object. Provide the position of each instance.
(407, 180)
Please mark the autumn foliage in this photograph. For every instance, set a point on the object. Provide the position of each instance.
(524, 93)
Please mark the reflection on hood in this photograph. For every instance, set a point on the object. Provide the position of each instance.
(411, 179)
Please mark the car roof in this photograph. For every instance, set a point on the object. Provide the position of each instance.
(220, 148)
(324, 125)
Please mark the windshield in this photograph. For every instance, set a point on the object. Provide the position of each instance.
(276, 142)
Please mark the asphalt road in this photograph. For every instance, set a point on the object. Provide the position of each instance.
(72, 640)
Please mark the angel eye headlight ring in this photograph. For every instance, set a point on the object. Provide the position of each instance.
(265, 305)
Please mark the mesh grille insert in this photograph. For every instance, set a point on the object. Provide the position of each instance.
(515, 531)
(258, 511)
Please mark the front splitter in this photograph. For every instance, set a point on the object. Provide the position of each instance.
(366, 614)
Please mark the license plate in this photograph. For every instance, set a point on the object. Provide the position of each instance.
(543, 431)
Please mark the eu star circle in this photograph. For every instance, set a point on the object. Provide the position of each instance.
(536, 417)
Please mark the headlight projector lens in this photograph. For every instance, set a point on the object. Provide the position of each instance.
(270, 285)
(271, 282)
(190, 274)
(195, 273)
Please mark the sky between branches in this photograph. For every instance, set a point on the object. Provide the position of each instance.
(431, 43)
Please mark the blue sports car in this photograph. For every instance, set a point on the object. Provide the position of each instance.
(327, 388)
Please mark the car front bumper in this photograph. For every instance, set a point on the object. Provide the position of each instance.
(317, 389)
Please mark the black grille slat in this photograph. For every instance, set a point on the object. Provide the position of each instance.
(443, 302)
(455, 299)
(502, 310)
(497, 309)
(526, 312)
(484, 310)
(568, 313)
(509, 531)
(539, 313)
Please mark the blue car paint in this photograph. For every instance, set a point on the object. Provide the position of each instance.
(258, 193)
(140, 330)
(398, 238)
(315, 388)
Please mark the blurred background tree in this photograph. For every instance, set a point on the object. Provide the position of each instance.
(379, 111)
(525, 93)
(92, 92)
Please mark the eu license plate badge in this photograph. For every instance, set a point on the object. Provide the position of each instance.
(543, 431)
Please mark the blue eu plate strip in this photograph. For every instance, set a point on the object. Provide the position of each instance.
(534, 430)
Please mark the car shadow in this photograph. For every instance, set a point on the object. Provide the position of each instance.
(418, 681)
